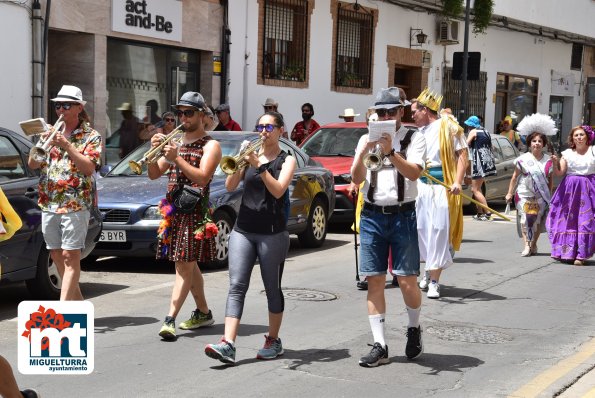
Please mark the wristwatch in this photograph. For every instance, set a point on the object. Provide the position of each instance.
(391, 153)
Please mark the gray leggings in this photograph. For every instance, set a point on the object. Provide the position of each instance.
(244, 248)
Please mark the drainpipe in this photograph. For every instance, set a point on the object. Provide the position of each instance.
(37, 60)
(225, 33)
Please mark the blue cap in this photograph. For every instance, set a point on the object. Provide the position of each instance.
(473, 121)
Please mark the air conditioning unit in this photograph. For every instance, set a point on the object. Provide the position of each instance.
(448, 33)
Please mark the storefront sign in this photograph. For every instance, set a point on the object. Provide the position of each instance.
(154, 18)
(562, 84)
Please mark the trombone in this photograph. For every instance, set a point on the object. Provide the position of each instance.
(231, 164)
(40, 151)
(153, 154)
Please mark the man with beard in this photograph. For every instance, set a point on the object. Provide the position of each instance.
(303, 129)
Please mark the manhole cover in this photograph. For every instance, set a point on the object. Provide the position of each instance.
(292, 293)
(468, 334)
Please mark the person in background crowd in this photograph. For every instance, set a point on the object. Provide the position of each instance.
(151, 121)
(187, 238)
(129, 130)
(482, 163)
(66, 188)
(348, 115)
(270, 105)
(532, 179)
(571, 220)
(222, 112)
(507, 131)
(167, 124)
(439, 212)
(260, 233)
(304, 128)
(388, 222)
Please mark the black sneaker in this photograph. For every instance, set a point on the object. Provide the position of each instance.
(414, 346)
(30, 393)
(377, 356)
(362, 285)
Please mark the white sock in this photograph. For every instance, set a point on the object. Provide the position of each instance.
(231, 342)
(377, 325)
(413, 314)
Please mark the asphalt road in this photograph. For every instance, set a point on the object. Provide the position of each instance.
(505, 326)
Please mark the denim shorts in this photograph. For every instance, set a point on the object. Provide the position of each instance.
(378, 233)
(66, 231)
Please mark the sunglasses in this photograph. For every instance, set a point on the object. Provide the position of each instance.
(269, 108)
(187, 113)
(170, 120)
(267, 127)
(65, 105)
(384, 112)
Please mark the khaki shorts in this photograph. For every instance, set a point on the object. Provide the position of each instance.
(66, 231)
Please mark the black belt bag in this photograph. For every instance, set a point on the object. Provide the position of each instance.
(185, 198)
(392, 209)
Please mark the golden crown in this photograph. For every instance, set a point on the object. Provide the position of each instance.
(429, 100)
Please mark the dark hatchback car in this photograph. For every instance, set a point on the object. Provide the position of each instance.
(129, 203)
(24, 257)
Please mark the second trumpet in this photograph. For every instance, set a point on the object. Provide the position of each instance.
(153, 154)
(231, 164)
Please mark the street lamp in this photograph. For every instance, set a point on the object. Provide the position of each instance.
(419, 35)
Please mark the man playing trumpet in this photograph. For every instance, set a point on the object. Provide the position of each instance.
(388, 221)
(66, 187)
(181, 235)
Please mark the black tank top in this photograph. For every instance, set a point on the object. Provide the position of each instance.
(260, 212)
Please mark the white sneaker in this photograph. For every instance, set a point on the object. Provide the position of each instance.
(425, 281)
(433, 290)
(526, 252)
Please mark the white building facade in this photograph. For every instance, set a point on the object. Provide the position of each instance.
(329, 60)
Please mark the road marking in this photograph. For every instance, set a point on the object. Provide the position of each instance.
(547, 378)
(150, 288)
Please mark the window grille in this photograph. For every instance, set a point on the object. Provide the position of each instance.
(355, 35)
(285, 39)
(476, 94)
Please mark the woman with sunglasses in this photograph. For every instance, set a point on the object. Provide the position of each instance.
(260, 233)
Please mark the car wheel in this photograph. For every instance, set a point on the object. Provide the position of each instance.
(47, 282)
(224, 225)
(315, 232)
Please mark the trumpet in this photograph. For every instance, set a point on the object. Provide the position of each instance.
(40, 151)
(153, 154)
(373, 159)
(231, 164)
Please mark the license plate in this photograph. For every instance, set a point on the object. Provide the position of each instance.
(113, 236)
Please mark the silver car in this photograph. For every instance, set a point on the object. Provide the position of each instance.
(495, 187)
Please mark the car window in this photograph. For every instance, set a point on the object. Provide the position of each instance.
(11, 163)
(508, 151)
(299, 159)
(334, 141)
(496, 150)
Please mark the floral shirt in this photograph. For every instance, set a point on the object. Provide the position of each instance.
(63, 188)
(300, 132)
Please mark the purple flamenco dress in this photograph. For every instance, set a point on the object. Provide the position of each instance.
(570, 223)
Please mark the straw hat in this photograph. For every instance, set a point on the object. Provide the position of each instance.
(348, 112)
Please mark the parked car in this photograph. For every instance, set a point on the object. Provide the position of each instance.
(333, 145)
(24, 257)
(112, 148)
(129, 203)
(496, 187)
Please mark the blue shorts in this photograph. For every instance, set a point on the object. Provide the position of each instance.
(378, 233)
(66, 231)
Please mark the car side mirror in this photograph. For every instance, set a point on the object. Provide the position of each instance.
(106, 168)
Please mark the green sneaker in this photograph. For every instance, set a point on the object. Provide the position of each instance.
(168, 331)
(197, 320)
(223, 351)
(272, 348)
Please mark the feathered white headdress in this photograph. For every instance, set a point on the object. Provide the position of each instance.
(537, 122)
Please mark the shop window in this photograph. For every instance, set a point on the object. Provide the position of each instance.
(354, 38)
(285, 40)
(516, 97)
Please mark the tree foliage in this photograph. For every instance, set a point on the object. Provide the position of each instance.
(482, 12)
